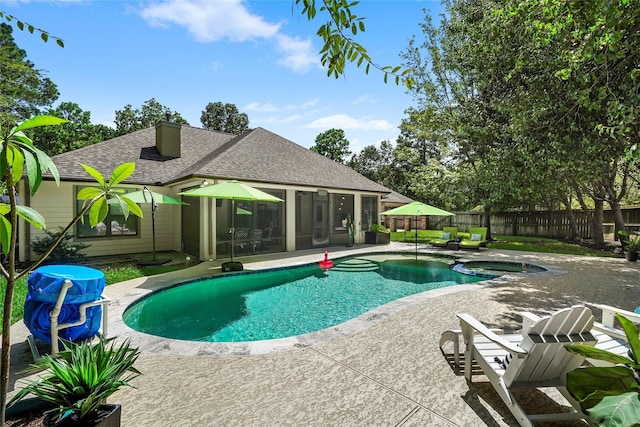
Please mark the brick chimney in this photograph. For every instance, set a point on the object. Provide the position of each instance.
(168, 138)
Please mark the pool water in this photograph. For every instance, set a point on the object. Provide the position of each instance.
(284, 302)
(502, 267)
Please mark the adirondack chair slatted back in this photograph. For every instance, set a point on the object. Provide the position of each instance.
(546, 359)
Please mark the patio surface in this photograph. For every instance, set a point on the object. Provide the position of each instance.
(382, 369)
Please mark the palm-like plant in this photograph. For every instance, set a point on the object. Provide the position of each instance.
(609, 394)
(81, 377)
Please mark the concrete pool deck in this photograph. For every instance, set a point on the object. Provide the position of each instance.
(383, 369)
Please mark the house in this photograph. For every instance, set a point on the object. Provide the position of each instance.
(320, 196)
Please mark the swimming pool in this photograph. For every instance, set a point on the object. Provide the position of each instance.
(285, 302)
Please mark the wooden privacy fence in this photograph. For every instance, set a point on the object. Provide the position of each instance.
(551, 224)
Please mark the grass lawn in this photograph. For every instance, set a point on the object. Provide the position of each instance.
(518, 243)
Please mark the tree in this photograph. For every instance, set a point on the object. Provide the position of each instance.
(24, 91)
(332, 144)
(76, 132)
(18, 154)
(21, 25)
(339, 45)
(129, 120)
(224, 118)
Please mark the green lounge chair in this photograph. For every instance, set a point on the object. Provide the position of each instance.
(477, 238)
(449, 234)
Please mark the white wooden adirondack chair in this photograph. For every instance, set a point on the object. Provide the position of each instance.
(539, 358)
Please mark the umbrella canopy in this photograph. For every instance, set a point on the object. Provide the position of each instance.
(417, 209)
(232, 190)
(145, 196)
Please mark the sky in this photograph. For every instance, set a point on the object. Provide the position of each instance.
(261, 56)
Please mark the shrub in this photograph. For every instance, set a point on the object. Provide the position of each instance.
(66, 249)
(378, 228)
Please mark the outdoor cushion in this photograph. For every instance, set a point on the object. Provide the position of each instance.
(446, 235)
(476, 237)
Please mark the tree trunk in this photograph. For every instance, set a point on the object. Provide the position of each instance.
(574, 232)
(598, 218)
(618, 219)
(487, 222)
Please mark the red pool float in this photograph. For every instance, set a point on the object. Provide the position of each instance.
(326, 264)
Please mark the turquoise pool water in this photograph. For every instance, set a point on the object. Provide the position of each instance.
(284, 302)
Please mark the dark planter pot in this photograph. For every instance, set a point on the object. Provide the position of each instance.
(631, 256)
(377, 238)
(109, 416)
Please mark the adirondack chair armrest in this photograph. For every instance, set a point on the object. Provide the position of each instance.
(608, 315)
(528, 319)
(468, 322)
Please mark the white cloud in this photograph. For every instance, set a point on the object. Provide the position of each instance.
(364, 99)
(343, 121)
(215, 66)
(210, 21)
(299, 54)
(271, 108)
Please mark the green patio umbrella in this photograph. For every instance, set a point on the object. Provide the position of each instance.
(147, 196)
(417, 209)
(232, 190)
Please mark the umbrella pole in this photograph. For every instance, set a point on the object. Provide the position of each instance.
(233, 228)
(153, 227)
(416, 237)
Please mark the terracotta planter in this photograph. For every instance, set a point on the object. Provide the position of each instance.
(109, 416)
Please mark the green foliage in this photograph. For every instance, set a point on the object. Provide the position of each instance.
(82, 376)
(224, 118)
(610, 394)
(633, 245)
(64, 250)
(339, 45)
(24, 90)
(19, 297)
(21, 25)
(378, 228)
(332, 144)
(129, 120)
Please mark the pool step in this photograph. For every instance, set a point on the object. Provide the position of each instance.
(356, 265)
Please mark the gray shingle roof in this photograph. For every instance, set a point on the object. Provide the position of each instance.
(259, 155)
(395, 197)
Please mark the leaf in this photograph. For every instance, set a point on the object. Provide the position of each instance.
(98, 212)
(95, 174)
(632, 333)
(598, 354)
(133, 207)
(122, 172)
(42, 120)
(16, 160)
(31, 216)
(620, 411)
(89, 193)
(44, 37)
(589, 385)
(60, 43)
(5, 234)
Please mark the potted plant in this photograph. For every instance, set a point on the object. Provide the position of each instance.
(632, 248)
(18, 155)
(610, 395)
(76, 383)
(377, 235)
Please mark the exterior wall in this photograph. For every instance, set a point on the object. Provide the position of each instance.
(57, 206)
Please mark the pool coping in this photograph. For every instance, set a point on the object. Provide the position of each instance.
(126, 293)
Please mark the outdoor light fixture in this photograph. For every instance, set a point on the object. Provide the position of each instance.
(204, 183)
(322, 193)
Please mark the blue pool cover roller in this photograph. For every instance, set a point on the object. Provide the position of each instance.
(45, 283)
(44, 286)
